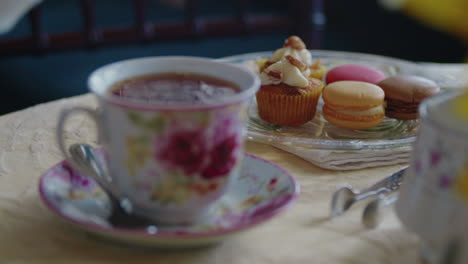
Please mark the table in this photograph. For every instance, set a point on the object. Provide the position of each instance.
(29, 233)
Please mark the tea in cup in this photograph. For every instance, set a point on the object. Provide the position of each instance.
(172, 129)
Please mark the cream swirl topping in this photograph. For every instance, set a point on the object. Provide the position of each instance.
(302, 55)
(288, 65)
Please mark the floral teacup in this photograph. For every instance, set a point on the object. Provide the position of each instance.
(433, 200)
(172, 161)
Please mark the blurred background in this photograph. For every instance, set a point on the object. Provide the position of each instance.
(41, 59)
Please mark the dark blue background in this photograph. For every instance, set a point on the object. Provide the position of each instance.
(360, 26)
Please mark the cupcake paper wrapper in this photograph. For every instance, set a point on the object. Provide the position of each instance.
(287, 110)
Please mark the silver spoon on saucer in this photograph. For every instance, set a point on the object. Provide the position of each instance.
(345, 197)
(90, 163)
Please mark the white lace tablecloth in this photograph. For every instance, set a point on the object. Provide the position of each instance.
(29, 233)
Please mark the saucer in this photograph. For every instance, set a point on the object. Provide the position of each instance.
(261, 191)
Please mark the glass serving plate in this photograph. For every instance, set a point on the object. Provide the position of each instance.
(318, 133)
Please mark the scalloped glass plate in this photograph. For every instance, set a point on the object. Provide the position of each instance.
(318, 133)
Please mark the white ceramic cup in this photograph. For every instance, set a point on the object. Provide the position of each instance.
(433, 200)
(172, 161)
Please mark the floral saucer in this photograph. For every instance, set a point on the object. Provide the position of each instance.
(261, 192)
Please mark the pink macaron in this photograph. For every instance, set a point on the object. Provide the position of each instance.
(354, 72)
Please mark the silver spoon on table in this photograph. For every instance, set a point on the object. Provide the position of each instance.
(345, 197)
(90, 163)
(372, 214)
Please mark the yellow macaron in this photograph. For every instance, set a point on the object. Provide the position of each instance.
(353, 104)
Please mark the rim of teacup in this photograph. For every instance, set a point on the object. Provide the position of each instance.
(99, 81)
(178, 235)
(425, 110)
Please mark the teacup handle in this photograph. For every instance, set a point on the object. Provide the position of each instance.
(95, 167)
(63, 117)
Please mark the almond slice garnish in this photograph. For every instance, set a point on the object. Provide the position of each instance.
(266, 65)
(275, 75)
(295, 62)
(295, 43)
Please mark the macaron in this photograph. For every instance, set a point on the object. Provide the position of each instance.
(353, 104)
(354, 72)
(403, 93)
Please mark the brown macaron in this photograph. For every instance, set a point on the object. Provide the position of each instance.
(403, 93)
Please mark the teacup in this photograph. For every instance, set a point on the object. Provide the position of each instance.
(433, 200)
(172, 161)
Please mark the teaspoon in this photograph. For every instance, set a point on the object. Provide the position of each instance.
(372, 214)
(90, 163)
(345, 197)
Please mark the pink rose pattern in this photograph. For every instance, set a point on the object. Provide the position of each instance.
(208, 151)
(81, 186)
(76, 178)
(185, 150)
(194, 151)
(222, 158)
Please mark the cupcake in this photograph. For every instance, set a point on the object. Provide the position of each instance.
(317, 70)
(288, 95)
